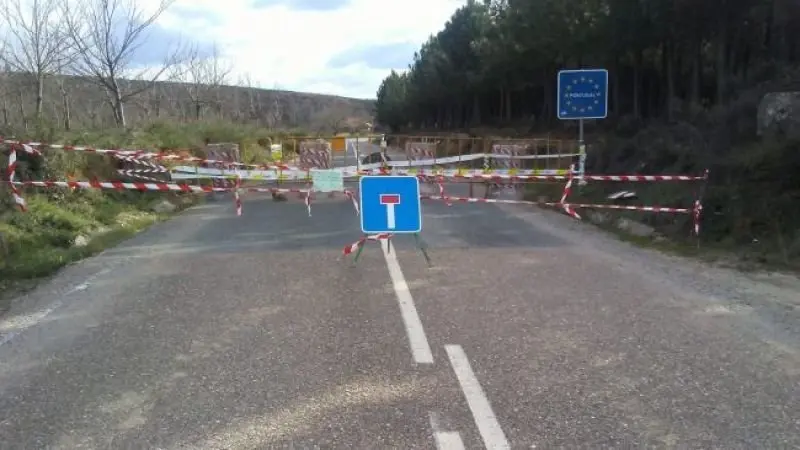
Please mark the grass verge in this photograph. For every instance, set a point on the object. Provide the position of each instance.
(62, 228)
(672, 236)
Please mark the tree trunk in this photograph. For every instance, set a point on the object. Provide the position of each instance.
(637, 84)
(65, 105)
(39, 96)
(509, 109)
(501, 104)
(615, 88)
(22, 110)
(669, 60)
(5, 111)
(721, 59)
(476, 110)
(697, 67)
(117, 104)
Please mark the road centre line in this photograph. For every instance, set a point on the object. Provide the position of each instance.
(420, 348)
(488, 426)
(445, 440)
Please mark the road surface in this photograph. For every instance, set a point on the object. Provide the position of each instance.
(213, 331)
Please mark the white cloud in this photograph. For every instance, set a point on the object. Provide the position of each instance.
(276, 45)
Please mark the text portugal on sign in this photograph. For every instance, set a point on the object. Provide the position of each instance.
(582, 94)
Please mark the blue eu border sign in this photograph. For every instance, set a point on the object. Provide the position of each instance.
(390, 204)
(582, 94)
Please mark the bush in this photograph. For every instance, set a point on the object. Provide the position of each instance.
(42, 240)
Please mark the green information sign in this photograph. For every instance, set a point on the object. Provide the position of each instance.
(327, 180)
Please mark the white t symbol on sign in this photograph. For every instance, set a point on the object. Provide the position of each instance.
(390, 200)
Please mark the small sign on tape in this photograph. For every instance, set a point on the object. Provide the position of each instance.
(327, 180)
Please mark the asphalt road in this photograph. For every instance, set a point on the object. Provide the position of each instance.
(213, 331)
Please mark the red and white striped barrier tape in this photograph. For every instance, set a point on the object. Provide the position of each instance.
(657, 209)
(567, 190)
(373, 237)
(153, 167)
(625, 178)
(441, 190)
(132, 174)
(121, 186)
(138, 155)
(237, 199)
(482, 200)
(352, 197)
(696, 213)
(12, 170)
(164, 187)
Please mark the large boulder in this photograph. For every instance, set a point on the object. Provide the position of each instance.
(635, 228)
(779, 115)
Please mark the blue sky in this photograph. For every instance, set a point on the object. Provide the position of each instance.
(339, 47)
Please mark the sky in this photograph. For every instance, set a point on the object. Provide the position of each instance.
(337, 47)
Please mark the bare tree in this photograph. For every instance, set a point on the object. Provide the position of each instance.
(36, 43)
(106, 35)
(250, 88)
(203, 78)
(275, 113)
(5, 89)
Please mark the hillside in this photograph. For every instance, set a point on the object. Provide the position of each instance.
(88, 107)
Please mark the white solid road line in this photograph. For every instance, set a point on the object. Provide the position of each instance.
(420, 349)
(488, 426)
(445, 440)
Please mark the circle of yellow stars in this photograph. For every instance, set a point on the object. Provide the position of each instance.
(589, 108)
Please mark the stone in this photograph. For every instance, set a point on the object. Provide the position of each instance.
(80, 241)
(635, 228)
(163, 207)
(779, 115)
(598, 217)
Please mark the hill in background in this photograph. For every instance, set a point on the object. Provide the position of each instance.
(83, 105)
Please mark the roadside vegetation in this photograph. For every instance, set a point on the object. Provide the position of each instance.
(62, 82)
(688, 82)
(62, 226)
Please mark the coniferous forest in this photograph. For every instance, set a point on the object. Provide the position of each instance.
(686, 81)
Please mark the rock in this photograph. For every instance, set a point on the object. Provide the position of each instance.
(635, 228)
(80, 241)
(598, 218)
(164, 206)
(779, 115)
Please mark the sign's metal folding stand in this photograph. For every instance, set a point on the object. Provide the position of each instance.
(390, 205)
(420, 243)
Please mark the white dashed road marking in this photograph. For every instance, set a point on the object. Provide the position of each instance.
(445, 440)
(488, 426)
(420, 349)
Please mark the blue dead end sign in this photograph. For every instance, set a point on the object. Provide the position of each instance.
(582, 94)
(390, 204)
